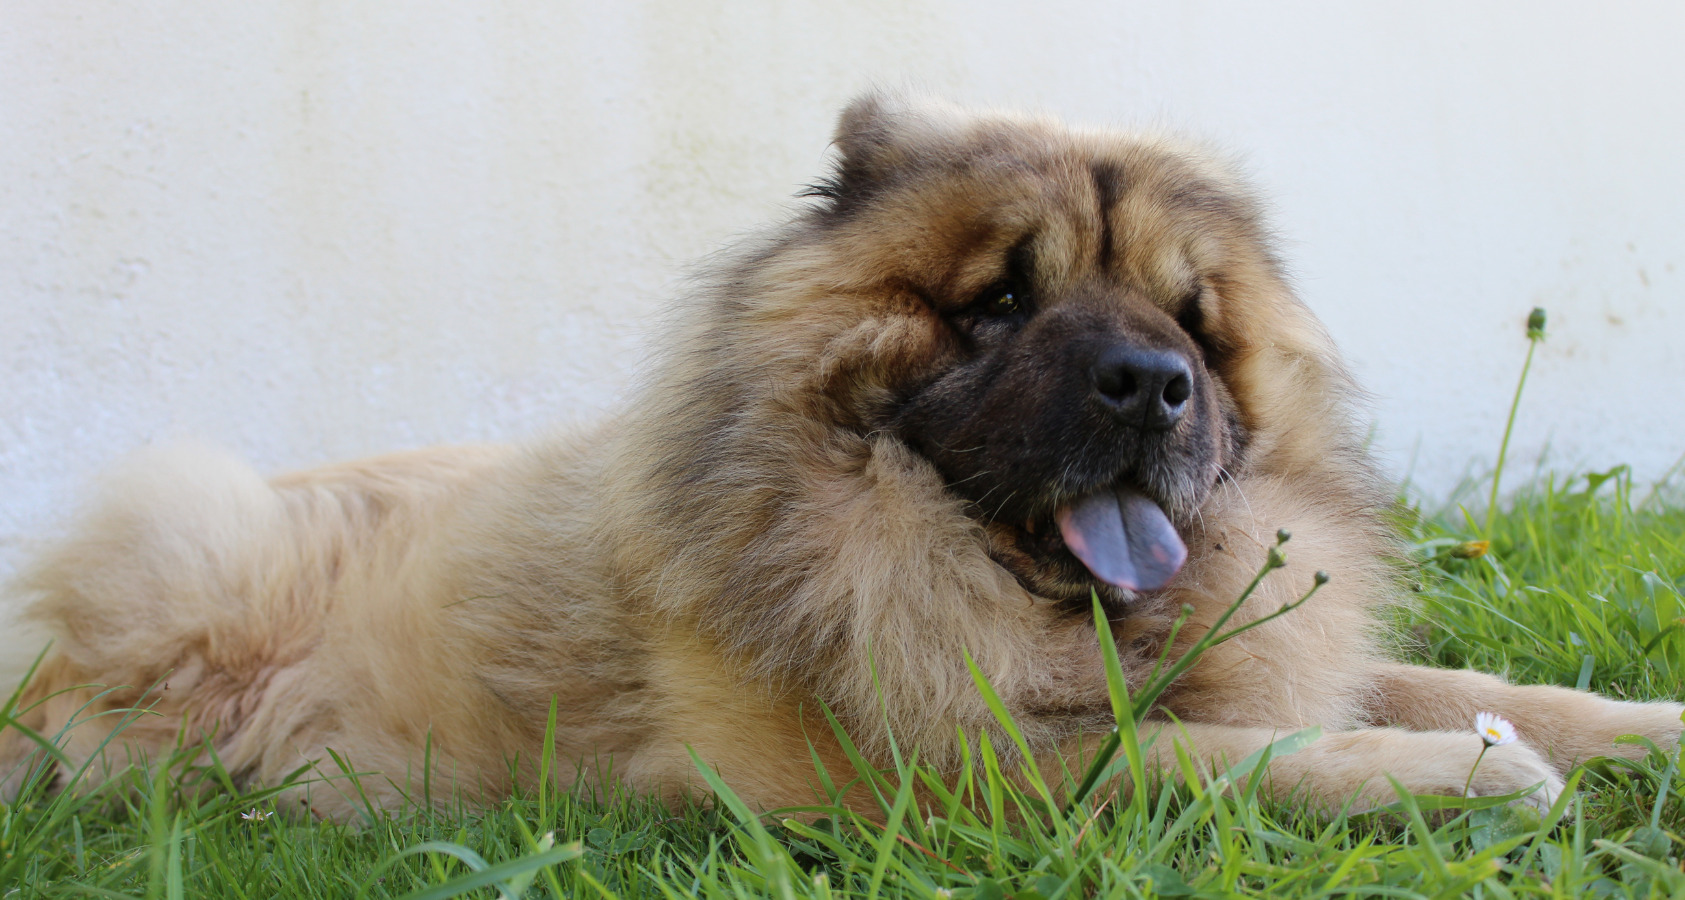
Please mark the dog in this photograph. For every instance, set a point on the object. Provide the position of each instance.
(995, 373)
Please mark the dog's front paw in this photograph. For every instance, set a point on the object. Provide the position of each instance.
(1593, 726)
(1660, 722)
(1436, 763)
(1512, 768)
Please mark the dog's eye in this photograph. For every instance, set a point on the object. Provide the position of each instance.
(1192, 316)
(1004, 303)
(1004, 300)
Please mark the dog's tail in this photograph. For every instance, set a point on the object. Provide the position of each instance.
(136, 588)
(150, 567)
(192, 583)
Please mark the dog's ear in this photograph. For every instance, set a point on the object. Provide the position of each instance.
(879, 136)
(866, 130)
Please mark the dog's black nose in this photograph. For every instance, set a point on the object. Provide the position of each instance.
(1146, 388)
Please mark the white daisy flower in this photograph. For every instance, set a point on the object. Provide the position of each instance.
(255, 815)
(1494, 729)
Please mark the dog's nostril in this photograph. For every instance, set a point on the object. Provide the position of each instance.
(1146, 388)
(1178, 390)
(1115, 382)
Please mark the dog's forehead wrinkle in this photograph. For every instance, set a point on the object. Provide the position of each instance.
(1108, 184)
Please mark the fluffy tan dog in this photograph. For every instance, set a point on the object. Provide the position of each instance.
(996, 367)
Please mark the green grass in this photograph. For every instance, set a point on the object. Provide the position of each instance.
(1576, 588)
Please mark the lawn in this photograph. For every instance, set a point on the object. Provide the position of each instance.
(1580, 585)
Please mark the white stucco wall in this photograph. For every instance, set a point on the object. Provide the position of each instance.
(314, 230)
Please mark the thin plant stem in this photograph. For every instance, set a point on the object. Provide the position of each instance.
(1535, 334)
(1483, 748)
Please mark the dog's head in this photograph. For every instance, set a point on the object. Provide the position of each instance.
(1081, 331)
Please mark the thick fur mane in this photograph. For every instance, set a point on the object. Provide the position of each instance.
(830, 557)
(820, 554)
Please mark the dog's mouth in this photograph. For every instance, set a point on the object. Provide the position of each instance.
(1116, 535)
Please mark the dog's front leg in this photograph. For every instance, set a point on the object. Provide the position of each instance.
(1567, 726)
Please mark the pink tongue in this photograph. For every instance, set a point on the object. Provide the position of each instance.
(1123, 538)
